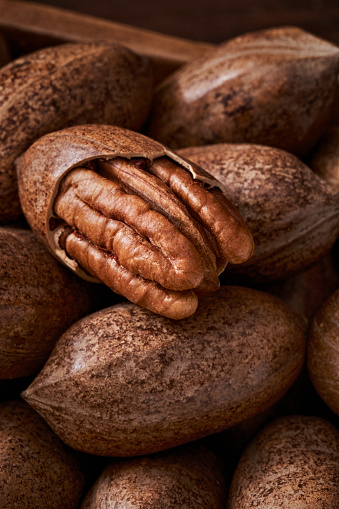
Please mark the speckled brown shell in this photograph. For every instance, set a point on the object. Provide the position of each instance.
(125, 382)
(66, 85)
(293, 215)
(323, 352)
(42, 167)
(39, 299)
(292, 463)
(273, 87)
(188, 477)
(36, 469)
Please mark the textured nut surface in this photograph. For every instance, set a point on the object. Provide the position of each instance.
(39, 299)
(273, 87)
(323, 352)
(66, 85)
(292, 214)
(292, 463)
(124, 381)
(152, 226)
(36, 468)
(188, 477)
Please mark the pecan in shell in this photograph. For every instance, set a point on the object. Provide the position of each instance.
(120, 208)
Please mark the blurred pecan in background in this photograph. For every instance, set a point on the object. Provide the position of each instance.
(118, 207)
(273, 87)
(65, 85)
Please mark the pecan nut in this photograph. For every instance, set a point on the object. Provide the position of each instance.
(273, 87)
(293, 215)
(69, 84)
(118, 207)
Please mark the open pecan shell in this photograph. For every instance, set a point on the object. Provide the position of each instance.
(116, 206)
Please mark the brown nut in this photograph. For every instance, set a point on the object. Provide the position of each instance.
(125, 382)
(273, 87)
(187, 477)
(292, 214)
(66, 85)
(323, 352)
(292, 463)
(36, 469)
(39, 300)
(118, 207)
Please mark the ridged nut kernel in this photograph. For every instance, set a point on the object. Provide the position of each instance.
(273, 87)
(65, 85)
(116, 206)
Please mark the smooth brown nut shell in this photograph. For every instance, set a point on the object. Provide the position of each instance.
(36, 469)
(292, 463)
(188, 477)
(323, 352)
(273, 87)
(125, 382)
(66, 85)
(87, 178)
(292, 214)
(39, 300)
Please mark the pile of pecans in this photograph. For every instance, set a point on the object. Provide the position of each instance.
(170, 298)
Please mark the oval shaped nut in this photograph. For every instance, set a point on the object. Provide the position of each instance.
(189, 477)
(36, 469)
(292, 214)
(273, 87)
(292, 463)
(39, 299)
(126, 382)
(116, 206)
(323, 352)
(69, 84)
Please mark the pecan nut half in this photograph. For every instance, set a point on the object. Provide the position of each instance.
(120, 208)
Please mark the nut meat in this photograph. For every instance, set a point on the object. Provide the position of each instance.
(150, 225)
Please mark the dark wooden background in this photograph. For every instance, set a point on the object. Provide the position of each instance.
(213, 20)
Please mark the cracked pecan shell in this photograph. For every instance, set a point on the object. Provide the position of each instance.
(65, 85)
(273, 87)
(118, 207)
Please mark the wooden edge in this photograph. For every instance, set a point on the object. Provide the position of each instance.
(65, 26)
